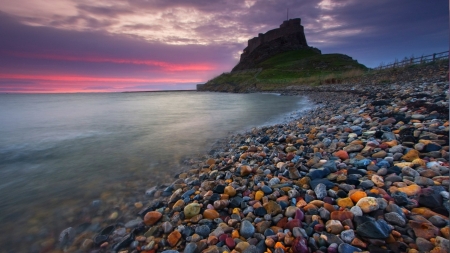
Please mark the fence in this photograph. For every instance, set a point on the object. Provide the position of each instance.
(413, 61)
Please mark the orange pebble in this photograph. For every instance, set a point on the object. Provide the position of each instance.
(280, 246)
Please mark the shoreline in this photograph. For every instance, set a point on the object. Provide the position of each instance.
(266, 183)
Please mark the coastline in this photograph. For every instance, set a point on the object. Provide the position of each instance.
(290, 186)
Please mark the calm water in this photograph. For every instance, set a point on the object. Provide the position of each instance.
(58, 150)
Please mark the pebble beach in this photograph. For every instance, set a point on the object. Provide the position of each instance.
(366, 170)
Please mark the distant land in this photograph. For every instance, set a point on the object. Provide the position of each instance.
(282, 57)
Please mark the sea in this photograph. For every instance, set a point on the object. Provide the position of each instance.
(60, 152)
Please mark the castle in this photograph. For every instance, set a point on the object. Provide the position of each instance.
(290, 36)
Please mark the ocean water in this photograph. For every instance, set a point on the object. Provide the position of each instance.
(58, 151)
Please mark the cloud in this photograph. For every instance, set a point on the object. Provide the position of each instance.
(199, 39)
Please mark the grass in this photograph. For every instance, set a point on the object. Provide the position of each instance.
(305, 67)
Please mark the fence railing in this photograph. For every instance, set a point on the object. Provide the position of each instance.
(415, 60)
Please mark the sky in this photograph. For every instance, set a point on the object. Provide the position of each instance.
(53, 46)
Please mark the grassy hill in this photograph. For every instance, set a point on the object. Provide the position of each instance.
(297, 67)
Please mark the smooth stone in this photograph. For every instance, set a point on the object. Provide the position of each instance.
(191, 210)
(326, 182)
(331, 238)
(431, 197)
(300, 245)
(374, 229)
(152, 217)
(347, 248)
(356, 210)
(241, 246)
(266, 189)
(203, 231)
(210, 214)
(173, 238)
(395, 219)
(334, 226)
(368, 204)
(410, 172)
(438, 221)
(272, 207)
(247, 229)
(230, 191)
(424, 245)
(190, 248)
(260, 211)
(348, 235)
(290, 211)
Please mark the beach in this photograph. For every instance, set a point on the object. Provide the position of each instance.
(367, 169)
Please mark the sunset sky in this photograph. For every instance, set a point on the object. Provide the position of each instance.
(136, 45)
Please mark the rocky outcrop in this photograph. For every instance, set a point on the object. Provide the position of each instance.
(290, 36)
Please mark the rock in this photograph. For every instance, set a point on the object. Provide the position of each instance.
(423, 181)
(259, 195)
(342, 215)
(347, 248)
(272, 207)
(210, 214)
(348, 235)
(190, 248)
(374, 229)
(410, 190)
(321, 191)
(334, 226)
(424, 245)
(431, 197)
(299, 245)
(356, 210)
(411, 155)
(410, 172)
(290, 211)
(191, 210)
(247, 229)
(357, 195)
(241, 246)
(87, 244)
(167, 227)
(442, 243)
(173, 238)
(230, 243)
(353, 148)
(331, 238)
(266, 189)
(437, 221)
(400, 198)
(378, 180)
(423, 229)
(380, 154)
(395, 219)
(368, 204)
(152, 217)
(203, 231)
(230, 191)
(345, 202)
(293, 173)
(342, 154)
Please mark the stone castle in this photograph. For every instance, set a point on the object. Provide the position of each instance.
(290, 36)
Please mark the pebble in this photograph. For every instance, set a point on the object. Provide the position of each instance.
(247, 229)
(359, 172)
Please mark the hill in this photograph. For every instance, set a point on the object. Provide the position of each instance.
(302, 66)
